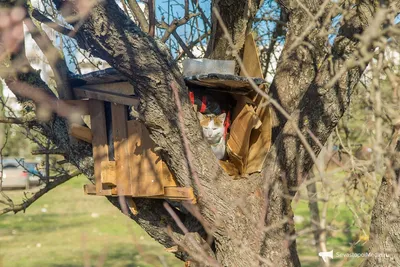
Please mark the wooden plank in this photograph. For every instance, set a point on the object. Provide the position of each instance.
(121, 151)
(108, 174)
(89, 189)
(179, 193)
(229, 168)
(168, 178)
(251, 58)
(146, 168)
(239, 138)
(80, 106)
(81, 132)
(83, 92)
(224, 83)
(260, 141)
(123, 88)
(99, 142)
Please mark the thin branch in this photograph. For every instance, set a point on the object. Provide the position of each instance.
(193, 44)
(169, 29)
(139, 15)
(50, 186)
(49, 151)
(152, 18)
(11, 120)
(203, 15)
(57, 64)
(185, 48)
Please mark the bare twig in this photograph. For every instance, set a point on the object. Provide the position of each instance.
(23, 206)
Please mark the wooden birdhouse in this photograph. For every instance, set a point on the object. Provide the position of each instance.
(125, 160)
(249, 137)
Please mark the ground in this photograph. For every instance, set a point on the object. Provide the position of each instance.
(67, 228)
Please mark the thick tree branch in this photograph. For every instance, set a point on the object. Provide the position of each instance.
(238, 16)
(318, 112)
(36, 14)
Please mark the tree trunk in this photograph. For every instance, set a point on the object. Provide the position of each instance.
(384, 243)
(251, 219)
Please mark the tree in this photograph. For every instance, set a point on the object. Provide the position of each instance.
(248, 220)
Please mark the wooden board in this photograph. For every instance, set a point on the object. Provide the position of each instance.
(108, 75)
(178, 194)
(81, 132)
(89, 189)
(80, 106)
(168, 178)
(123, 88)
(251, 57)
(146, 168)
(99, 142)
(83, 92)
(226, 83)
(260, 141)
(108, 173)
(119, 118)
(239, 138)
(255, 143)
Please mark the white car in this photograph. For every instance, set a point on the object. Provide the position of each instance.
(16, 176)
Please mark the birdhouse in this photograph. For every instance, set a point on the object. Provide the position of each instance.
(249, 136)
(125, 160)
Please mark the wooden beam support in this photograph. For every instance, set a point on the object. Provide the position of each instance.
(123, 88)
(89, 189)
(80, 106)
(146, 168)
(81, 132)
(84, 92)
(108, 175)
(179, 193)
(99, 142)
(119, 115)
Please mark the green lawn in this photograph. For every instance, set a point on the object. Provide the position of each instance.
(67, 228)
(348, 231)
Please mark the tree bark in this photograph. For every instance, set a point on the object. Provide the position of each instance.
(384, 242)
(238, 17)
(235, 212)
(110, 35)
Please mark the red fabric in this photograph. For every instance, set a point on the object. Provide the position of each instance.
(191, 97)
(227, 122)
(203, 104)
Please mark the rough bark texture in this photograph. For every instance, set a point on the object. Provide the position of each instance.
(146, 62)
(236, 211)
(384, 243)
(238, 17)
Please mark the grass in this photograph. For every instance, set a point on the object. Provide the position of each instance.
(66, 228)
(348, 217)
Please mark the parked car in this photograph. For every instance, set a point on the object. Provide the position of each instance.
(16, 176)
